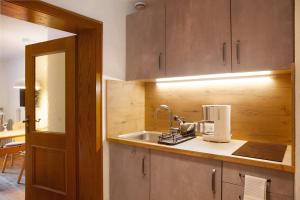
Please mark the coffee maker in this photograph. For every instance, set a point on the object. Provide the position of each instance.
(216, 123)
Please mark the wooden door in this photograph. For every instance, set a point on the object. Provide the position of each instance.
(129, 173)
(198, 37)
(262, 34)
(177, 177)
(50, 128)
(145, 42)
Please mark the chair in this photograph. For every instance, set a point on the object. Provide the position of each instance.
(12, 148)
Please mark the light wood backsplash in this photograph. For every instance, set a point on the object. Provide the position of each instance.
(125, 103)
(261, 107)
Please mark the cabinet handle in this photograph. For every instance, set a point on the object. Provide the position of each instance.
(224, 53)
(159, 61)
(143, 166)
(238, 51)
(213, 181)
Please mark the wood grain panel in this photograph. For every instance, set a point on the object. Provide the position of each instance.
(89, 118)
(145, 38)
(281, 182)
(198, 37)
(55, 180)
(129, 169)
(264, 30)
(177, 177)
(125, 102)
(261, 107)
(231, 191)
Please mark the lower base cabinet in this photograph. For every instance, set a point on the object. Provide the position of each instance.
(129, 173)
(179, 177)
(235, 192)
(142, 174)
(280, 187)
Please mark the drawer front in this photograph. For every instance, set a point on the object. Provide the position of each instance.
(235, 192)
(281, 182)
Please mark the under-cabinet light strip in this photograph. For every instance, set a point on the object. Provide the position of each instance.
(215, 76)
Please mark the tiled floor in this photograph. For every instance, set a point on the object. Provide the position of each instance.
(9, 189)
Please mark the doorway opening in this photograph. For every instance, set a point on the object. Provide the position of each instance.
(88, 47)
(15, 35)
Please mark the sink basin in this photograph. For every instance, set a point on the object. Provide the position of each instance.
(146, 136)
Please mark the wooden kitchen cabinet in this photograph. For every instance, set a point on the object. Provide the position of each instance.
(235, 192)
(172, 38)
(145, 37)
(178, 177)
(197, 37)
(262, 35)
(281, 186)
(129, 173)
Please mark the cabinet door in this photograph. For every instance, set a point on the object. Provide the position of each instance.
(145, 36)
(198, 38)
(262, 34)
(129, 173)
(178, 177)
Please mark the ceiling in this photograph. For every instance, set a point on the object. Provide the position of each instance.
(16, 34)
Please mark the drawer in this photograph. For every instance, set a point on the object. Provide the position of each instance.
(235, 192)
(281, 182)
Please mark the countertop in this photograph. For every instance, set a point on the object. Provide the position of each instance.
(218, 151)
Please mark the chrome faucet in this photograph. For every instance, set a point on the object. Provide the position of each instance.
(166, 108)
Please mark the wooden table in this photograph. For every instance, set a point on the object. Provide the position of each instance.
(12, 134)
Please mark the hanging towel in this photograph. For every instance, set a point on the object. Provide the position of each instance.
(255, 188)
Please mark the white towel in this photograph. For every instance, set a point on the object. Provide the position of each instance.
(255, 188)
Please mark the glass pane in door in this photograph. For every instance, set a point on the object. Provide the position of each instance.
(50, 89)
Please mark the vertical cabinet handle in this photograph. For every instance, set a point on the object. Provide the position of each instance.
(159, 61)
(238, 51)
(224, 53)
(213, 181)
(143, 166)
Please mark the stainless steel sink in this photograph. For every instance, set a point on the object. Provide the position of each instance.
(146, 136)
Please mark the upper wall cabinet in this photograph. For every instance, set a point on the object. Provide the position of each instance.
(262, 34)
(198, 37)
(194, 37)
(145, 51)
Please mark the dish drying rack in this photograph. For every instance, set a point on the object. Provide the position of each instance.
(176, 138)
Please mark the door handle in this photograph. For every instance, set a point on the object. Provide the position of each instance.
(238, 51)
(143, 166)
(224, 53)
(159, 61)
(213, 181)
(26, 121)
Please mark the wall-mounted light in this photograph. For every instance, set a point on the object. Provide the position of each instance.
(215, 76)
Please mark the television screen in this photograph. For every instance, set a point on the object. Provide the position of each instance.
(22, 97)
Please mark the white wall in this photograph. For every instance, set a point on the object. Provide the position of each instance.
(11, 71)
(297, 65)
(3, 86)
(113, 15)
